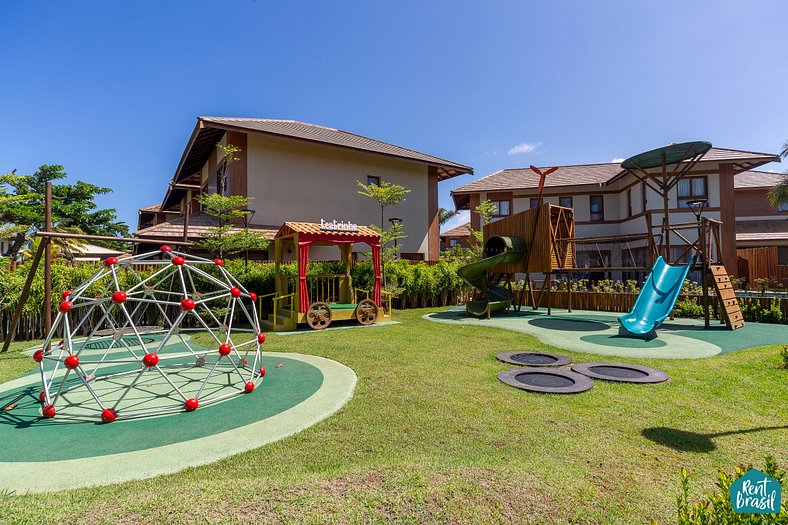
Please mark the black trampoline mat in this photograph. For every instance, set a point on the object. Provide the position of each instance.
(621, 372)
(533, 358)
(546, 380)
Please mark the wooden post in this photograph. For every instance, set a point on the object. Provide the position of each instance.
(47, 258)
(549, 291)
(9, 336)
(187, 210)
(569, 292)
(704, 272)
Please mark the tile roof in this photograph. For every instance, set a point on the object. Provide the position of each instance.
(198, 226)
(581, 174)
(757, 179)
(154, 208)
(459, 231)
(335, 137)
(762, 230)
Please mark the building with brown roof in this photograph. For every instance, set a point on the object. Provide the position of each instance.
(609, 201)
(294, 171)
(459, 236)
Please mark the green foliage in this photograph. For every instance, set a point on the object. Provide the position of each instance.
(225, 239)
(486, 209)
(385, 194)
(715, 508)
(388, 250)
(764, 284)
(73, 206)
(688, 307)
(784, 355)
(778, 194)
(445, 215)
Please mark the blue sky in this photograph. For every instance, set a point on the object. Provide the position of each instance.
(111, 90)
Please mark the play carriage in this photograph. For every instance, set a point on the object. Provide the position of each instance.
(319, 300)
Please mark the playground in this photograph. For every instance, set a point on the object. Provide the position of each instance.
(429, 421)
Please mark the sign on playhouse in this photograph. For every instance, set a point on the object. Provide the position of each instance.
(756, 493)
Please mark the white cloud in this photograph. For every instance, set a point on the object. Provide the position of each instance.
(525, 147)
(617, 160)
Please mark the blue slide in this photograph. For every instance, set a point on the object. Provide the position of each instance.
(656, 299)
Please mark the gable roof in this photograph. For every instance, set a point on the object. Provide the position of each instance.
(209, 131)
(756, 179)
(459, 231)
(589, 174)
(198, 226)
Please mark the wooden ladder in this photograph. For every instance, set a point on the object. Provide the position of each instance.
(729, 305)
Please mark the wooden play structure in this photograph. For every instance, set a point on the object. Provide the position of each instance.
(318, 300)
(547, 233)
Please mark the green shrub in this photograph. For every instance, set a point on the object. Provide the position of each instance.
(715, 507)
(688, 307)
(784, 355)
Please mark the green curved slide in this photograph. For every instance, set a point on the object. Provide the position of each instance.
(497, 250)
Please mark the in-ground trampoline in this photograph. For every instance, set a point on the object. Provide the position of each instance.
(620, 372)
(546, 380)
(523, 358)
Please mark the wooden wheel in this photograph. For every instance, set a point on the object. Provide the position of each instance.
(318, 316)
(366, 312)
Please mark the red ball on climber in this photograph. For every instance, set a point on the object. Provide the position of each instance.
(261, 338)
(178, 260)
(64, 307)
(119, 297)
(150, 360)
(38, 356)
(225, 349)
(249, 387)
(218, 262)
(165, 249)
(187, 304)
(108, 415)
(48, 412)
(71, 362)
(191, 404)
(235, 292)
(110, 261)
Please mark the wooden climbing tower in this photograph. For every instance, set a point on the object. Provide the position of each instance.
(726, 297)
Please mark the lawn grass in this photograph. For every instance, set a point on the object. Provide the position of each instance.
(431, 435)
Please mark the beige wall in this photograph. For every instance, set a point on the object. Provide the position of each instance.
(299, 181)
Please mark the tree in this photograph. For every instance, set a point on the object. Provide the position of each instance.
(485, 209)
(73, 206)
(778, 194)
(385, 194)
(445, 215)
(220, 240)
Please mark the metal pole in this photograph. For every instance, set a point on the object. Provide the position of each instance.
(47, 258)
(704, 271)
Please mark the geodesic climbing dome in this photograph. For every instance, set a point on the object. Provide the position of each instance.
(126, 345)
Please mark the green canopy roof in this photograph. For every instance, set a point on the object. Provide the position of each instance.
(672, 154)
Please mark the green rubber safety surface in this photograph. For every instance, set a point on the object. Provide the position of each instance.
(598, 333)
(27, 437)
(40, 455)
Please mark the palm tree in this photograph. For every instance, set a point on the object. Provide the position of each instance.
(445, 215)
(778, 194)
(61, 247)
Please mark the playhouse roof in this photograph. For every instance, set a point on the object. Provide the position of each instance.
(313, 231)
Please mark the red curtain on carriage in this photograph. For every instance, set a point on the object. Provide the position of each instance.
(303, 261)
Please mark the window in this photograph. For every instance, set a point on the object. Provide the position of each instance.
(454, 242)
(629, 202)
(597, 207)
(502, 208)
(534, 202)
(691, 188)
(566, 202)
(643, 196)
(373, 180)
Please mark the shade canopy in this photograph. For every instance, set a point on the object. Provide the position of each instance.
(667, 155)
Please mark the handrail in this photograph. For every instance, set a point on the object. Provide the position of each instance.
(276, 300)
